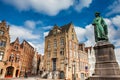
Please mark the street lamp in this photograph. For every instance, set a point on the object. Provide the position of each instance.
(74, 69)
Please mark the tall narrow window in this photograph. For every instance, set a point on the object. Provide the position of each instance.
(17, 58)
(61, 41)
(55, 52)
(48, 46)
(16, 48)
(11, 58)
(1, 55)
(55, 43)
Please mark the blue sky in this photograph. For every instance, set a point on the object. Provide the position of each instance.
(32, 19)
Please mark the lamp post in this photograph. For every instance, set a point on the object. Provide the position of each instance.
(74, 69)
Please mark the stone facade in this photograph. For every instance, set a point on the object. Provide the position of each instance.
(106, 67)
(84, 65)
(61, 53)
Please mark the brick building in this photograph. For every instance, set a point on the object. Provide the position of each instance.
(27, 54)
(15, 58)
(4, 46)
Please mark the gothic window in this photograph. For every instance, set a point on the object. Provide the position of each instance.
(61, 41)
(55, 43)
(62, 51)
(17, 58)
(1, 32)
(16, 48)
(1, 55)
(2, 43)
(11, 58)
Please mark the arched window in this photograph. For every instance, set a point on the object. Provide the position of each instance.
(11, 58)
(17, 58)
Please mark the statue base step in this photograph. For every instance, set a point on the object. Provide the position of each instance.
(106, 66)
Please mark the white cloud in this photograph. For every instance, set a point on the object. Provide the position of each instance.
(114, 8)
(22, 33)
(49, 7)
(115, 20)
(80, 32)
(30, 24)
(89, 35)
(47, 27)
(80, 4)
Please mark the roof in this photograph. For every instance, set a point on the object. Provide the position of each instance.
(63, 28)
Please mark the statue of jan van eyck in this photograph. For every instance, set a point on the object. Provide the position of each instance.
(100, 28)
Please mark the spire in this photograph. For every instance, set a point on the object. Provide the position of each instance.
(17, 40)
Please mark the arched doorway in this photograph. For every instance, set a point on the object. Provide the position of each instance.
(16, 74)
(9, 72)
(62, 75)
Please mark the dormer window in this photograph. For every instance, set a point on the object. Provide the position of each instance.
(1, 32)
(55, 32)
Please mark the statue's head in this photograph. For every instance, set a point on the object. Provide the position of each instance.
(97, 14)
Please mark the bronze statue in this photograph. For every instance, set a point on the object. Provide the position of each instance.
(100, 28)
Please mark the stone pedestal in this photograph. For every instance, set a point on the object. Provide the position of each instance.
(106, 66)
